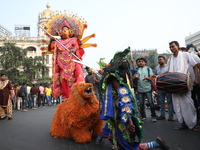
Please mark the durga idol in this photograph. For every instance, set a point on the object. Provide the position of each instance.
(65, 49)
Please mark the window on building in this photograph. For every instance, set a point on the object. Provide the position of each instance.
(31, 48)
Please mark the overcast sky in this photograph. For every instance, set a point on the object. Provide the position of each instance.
(141, 24)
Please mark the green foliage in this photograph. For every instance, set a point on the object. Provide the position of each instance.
(18, 67)
(46, 81)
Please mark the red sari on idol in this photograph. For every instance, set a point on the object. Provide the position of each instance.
(65, 71)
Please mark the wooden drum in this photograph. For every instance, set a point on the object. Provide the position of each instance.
(173, 82)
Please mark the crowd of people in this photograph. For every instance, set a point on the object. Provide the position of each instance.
(21, 97)
(184, 105)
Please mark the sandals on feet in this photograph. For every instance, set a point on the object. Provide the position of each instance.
(181, 128)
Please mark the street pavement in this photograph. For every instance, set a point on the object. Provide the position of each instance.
(30, 131)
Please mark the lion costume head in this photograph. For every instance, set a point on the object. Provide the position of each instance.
(83, 92)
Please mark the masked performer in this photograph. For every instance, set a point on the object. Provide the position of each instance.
(120, 110)
(70, 29)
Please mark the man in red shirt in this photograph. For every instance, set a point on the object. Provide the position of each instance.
(34, 95)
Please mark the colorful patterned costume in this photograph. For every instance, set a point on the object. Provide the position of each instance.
(118, 106)
(120, 109)
(65, 71)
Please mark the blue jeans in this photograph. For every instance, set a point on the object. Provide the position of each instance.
(142, 102)
(161, 98)
(29, 101)
(23, 102)
(48, 98)
(33, 99)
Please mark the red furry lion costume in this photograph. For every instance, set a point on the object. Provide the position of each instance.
(78, 117)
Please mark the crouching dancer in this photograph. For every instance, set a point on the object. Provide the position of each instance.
(120, 110)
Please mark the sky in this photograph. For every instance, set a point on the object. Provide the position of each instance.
(140, 24)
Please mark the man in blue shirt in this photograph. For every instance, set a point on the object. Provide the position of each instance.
(144, 87)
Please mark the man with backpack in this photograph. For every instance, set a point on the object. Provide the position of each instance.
(144, 87)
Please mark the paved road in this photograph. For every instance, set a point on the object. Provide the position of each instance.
(30, 131)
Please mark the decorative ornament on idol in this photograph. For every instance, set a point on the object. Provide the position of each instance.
(43, 53)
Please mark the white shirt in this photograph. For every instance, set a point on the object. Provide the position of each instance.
(188, 61)
(175, 64)
(191, 70)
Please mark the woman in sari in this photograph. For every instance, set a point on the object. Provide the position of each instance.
(5, 98)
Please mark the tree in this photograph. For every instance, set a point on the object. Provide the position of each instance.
(45, 80)
(33, 68)
(18, 67)
(11, 59)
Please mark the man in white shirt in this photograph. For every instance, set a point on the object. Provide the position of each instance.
(183, 103)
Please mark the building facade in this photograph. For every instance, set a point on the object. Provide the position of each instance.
(33, 43)
(193, 39)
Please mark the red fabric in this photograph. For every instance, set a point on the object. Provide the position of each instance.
(63, 67)
(65, 89)
(79, 75)
(4, 94)
(80, 52)
(154, 87)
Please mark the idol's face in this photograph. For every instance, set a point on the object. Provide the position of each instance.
(173, 47)
(65, 32)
